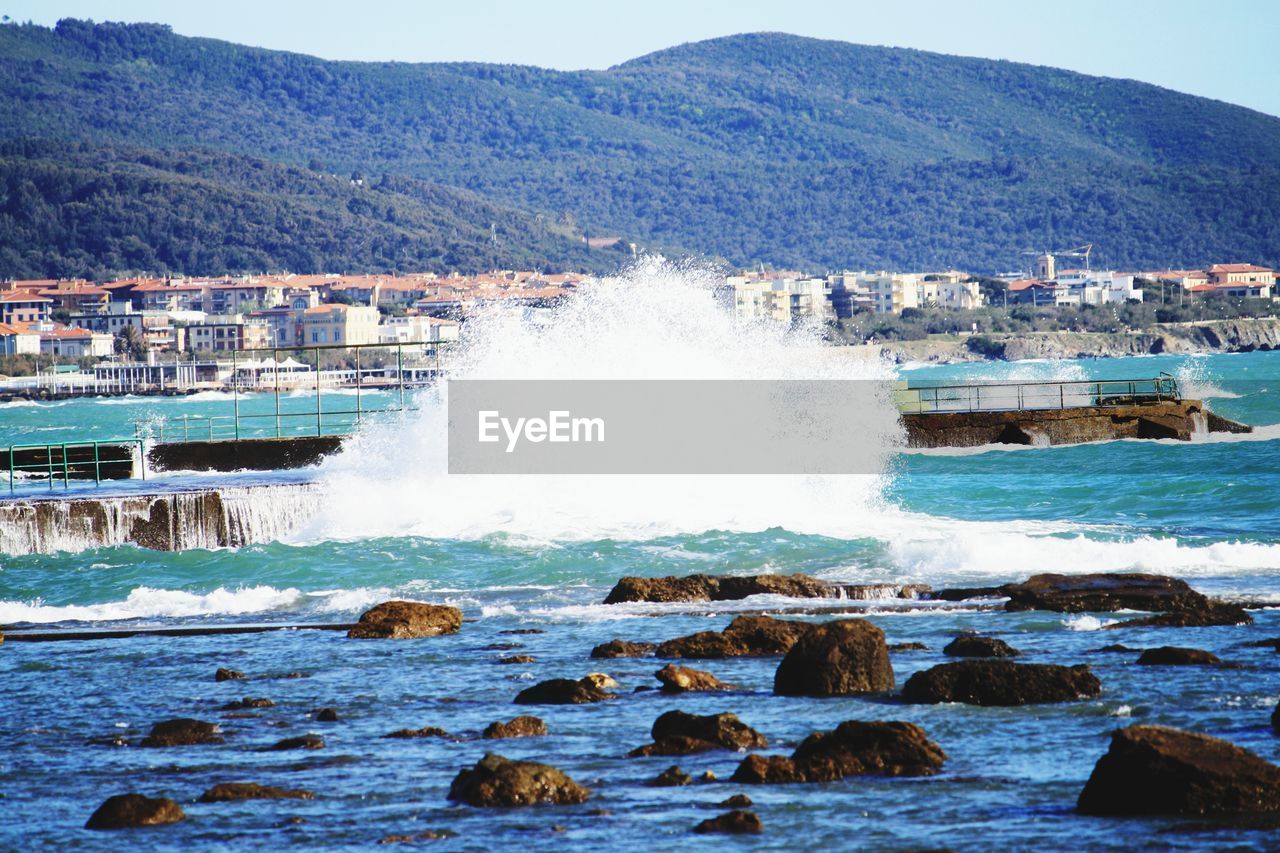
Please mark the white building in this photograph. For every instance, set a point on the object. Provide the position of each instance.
(419, 329)
(1087, 287)
(781, 299)
(66, 342)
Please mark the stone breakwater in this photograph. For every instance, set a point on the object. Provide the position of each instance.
(174, 521)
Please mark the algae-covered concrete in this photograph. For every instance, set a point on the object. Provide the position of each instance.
(244, 454)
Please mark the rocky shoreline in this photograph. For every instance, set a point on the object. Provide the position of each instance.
(1148, 769)
(1212, 336)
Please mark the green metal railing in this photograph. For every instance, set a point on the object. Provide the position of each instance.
(421, 363)
(1021, 396)
(39, 464)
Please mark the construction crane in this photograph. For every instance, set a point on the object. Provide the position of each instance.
(1078, 252)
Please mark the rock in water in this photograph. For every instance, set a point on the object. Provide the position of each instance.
(1174, 656)
(425, 731)
(1000, 682)
(128, 810)
(840, 658)
(672, 777)
(522, 726)
(973, 646)
(746, 636)
(678, 733)
(327, 715)
(406, 620)
(680, 679)
(622, 649)
(182, 732)
(300, 742)
(248, 702)
(563, 691)
(694, 588)
(736, 822)
(855, 748)
(1102, 593)
(737, 801)
(233, 791)
(497, 781)
(224, 674)
(1159, 770)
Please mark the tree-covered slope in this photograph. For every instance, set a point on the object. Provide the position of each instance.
(761, 147)
(72, 210)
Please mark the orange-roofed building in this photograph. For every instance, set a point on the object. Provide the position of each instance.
(1220, 274)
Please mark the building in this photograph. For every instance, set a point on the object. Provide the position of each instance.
(1223, 274)
(66, 342)
(19, 340)
(227, 332)
(417, 329)
(347, 325)
(1090, 287)
(21, 306)
(78, 297)
(782, 299)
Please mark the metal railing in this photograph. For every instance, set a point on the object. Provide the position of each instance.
(413, 365)
(40, 464)
(1026, 396)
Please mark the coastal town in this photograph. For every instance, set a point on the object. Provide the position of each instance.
(142, 317)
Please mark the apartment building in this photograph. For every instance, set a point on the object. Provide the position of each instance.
(227, 332)
(340, 324)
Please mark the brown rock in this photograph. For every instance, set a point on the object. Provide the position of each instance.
(1174, 656)
(522, 726)
(745, 636)
(129, 810)
(1213, 613)
(973, 646)
(300, 742)
(182, 732)
(854, 748)
(844, 657)
(248, 702)
(563, 691)
(497, 781)
(679, 679)
(327, 715)
(1104, 592)
(736, 822)
(908, 647)
(516, 659)
(678, 733)
(737, 801)
(425, 731)
(672, 777)
(622, 649)
(693, 588)
(1159, 770)
(224, 674)
(406, 620)
(1000, 682)
(232, 791)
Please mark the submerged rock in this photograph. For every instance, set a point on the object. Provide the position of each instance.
(498, 781)
(183, 732)
(679, 733)
(425, 731)
(840, 658)
(908, 647)
(1174, 656)
(737, 801)
(1000, 682)
(974, 646)
(854, 748)
(327, 715)
(522, 726)
(224, 674)
(623, 649)
(672, 777)
(227, 792)
(1160, 770)
(736, 822)
(1176, 603)
(406, 620)
(693, 588)
(130, 810)
(426, 835)
(680, 679)
(516, 659)
(300, 742)
(248, 702)
(745, 636)
(563, 691)
(1212, 614)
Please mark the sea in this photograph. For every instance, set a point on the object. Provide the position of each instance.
(529, 561)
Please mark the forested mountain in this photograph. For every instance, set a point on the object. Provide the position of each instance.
(763, 147)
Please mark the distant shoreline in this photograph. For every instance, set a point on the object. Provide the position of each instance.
(1212, 336)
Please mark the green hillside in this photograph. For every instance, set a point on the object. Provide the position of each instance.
(762, 147)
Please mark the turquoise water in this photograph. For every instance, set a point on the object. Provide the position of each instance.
(1206, 511)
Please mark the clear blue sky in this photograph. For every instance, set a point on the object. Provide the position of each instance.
(1225, 49)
